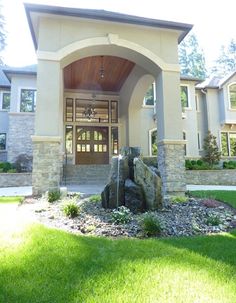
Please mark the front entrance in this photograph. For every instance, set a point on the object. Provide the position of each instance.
(92, 145)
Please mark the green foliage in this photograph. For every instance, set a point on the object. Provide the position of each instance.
(178, 199)
(95, 198)
(5, 166)
(196, 165)
(211, 150)
(213, 220)
(150, 225)
(229, 164)
(226, 62)
(191, 58)
(12, 170)
(121, 215)
(53, 195)
(71, 209)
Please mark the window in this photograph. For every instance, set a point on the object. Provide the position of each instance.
(114, 112)
(185, 145)
(197, 103)
(184, 97)
(3, 140)
(69, 139)
(232, 96)
(27, 100)
(198, 140)
(228, 144)
(114, 141)
(150, 96)
(69, 109)
(6, 100)
(96, 111)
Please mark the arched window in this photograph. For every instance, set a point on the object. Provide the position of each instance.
(232, 95)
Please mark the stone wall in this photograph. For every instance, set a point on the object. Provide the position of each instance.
(211, 177)
(14, 179)
(47, 166)
(171, 165)
(21, 128)
(150, 183)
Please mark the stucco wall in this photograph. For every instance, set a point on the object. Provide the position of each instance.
(21, 128)
(211, 177)
(14, 180)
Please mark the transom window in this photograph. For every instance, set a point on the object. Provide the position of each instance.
(228, 144)
(27, 100)
(232, 95)
(3, 139)
(184, 97)
(6, 100)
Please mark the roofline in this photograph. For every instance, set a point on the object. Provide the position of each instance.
(102, 15)
(18, 72)
(186, 78)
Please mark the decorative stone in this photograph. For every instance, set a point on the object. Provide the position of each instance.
(134, 197)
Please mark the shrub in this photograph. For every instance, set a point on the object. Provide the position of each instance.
(150, 225)
(5, 166)
(71, 209)
(121, 215)
(211, 150)
(196, 165)
(178, 199)
(23, 163)
(213, 220)
(12, 170)
(229, 164)
(53, 195)
(95, 198)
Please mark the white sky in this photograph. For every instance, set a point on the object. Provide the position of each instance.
(214, 21)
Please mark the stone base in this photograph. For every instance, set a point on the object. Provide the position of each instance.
(47, 165)
(171, 165)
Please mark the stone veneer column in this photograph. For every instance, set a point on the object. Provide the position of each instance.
(170, 135)
(47, 164)
(171, 166)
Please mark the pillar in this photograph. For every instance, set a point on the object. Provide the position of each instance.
(170, 135)
(47, 140)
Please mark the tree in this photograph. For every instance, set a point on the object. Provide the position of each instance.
(191, 58)
(211, 150)
(2, 33)
(226, 62)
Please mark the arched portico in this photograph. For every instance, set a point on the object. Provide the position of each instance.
(159, 63)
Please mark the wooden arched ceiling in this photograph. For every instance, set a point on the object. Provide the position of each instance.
(85, 73)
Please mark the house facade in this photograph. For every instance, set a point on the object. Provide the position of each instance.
(95, 94)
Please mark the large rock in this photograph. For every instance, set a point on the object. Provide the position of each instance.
(134, 197)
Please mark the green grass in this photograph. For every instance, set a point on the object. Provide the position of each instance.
(16, 199)
(47, 265)
(227, 196)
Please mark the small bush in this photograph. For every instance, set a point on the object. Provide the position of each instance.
(5, 166)
(229, 164)
(53, 195)
(150, 225)
(178, 199)
(197, 165)
(121, 215)
(95, 198)
(71, 209)
(213, 220)
(23, 163)
(12, 170)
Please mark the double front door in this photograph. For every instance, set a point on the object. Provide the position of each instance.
(92, 145)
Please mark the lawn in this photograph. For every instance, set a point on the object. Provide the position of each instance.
(48, 265)
(16, 199)
(227, 196)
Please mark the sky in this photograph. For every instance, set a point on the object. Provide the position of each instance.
(214, 22)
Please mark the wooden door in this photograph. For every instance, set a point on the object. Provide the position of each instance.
(92, 145)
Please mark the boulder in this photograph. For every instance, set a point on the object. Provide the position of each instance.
(134, 196)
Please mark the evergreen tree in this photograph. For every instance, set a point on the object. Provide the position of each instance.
(2, 33)
(191, 58)
(226, 62)
(211, 150)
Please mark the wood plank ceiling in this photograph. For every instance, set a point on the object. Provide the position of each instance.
(86, 73)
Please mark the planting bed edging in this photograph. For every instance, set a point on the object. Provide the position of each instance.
(15, 179)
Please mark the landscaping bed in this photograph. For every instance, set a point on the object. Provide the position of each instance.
(193, 217)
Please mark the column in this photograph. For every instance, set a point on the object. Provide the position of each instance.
(170, 135)
(47, 140)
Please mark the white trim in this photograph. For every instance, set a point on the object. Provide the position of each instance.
(46, 139)
(197, 104)
(110, 39)
(228, 96)
(1, 99)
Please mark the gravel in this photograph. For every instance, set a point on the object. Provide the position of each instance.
(194, 217)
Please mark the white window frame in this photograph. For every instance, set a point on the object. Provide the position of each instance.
(19, 97)
(228, 92)
(154, 96)
(1, 99)
(150, 141)
(228, 142)
(188, 94)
